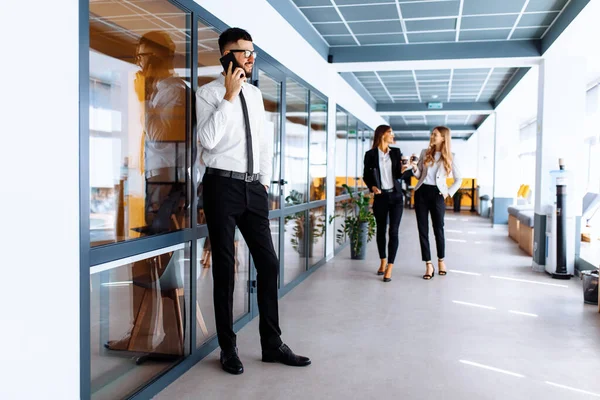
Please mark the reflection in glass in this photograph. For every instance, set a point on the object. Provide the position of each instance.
(271, 91)
(139, 120)
(362, 148)
(341, 147)
(352, 151)
(318, 147)
(340, 214)
(274, 223)
(139, 316)
(296, 143)
(295, 246)
(316, 231)
(205, 312)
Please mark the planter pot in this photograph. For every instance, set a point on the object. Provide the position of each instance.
(361, 254)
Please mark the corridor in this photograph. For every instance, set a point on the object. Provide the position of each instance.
(490, 329)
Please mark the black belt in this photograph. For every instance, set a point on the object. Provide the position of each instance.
(388, 190)
(232, 174)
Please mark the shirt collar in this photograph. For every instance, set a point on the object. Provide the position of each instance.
(221, 79)
(382, 154)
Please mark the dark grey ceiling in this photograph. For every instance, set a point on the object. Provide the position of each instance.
(359, 25)
(444, 85)
(385, 22)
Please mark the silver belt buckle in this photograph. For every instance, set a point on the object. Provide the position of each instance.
(248, 178)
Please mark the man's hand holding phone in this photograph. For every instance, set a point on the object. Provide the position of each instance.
(233, 82)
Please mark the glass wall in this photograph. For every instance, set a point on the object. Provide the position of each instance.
(151, 284)
(139, 116)
(139, 320)
(353, 139)
(318, 147)
(296, 143)
(341, 148)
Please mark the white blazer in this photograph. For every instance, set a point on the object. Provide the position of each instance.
(440, 179)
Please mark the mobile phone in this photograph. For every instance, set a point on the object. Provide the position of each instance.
(230, 58)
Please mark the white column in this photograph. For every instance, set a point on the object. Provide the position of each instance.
(506, 163)
(560, 134)
(39, 200)
(331, 141)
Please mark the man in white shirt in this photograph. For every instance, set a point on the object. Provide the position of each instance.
(238, 154)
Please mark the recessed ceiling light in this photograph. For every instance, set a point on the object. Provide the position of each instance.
(435, 96)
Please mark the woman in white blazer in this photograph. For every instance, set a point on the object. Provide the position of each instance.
(435, 164)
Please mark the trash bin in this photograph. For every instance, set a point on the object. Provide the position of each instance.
(590, 286)
(456, 200)
(484, 206)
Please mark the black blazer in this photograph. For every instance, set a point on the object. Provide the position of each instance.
(372, 172)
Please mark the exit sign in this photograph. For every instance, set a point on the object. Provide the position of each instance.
(435, 106)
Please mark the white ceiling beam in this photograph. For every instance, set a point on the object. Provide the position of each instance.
(408, 65)
(434, 112)
(459, 19)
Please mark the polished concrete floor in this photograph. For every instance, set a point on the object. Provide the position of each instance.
(490, 329)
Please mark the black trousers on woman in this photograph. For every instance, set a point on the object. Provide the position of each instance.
(429, 200)
(388, 205)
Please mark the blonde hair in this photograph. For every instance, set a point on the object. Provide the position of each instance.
(446, 152)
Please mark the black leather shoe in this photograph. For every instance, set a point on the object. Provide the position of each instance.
(230, 362)
(285, 356)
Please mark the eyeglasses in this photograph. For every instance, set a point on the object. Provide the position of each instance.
(139, 56)
(247, 53)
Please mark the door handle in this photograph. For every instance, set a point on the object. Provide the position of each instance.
(283, 182)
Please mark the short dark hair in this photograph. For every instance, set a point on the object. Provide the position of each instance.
(232, 35)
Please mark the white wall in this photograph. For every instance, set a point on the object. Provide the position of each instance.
(281, 41)
(39, 199)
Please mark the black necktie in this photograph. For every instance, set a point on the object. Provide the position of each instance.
(248, 134)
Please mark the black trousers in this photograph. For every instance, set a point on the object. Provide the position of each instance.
(429, 200)
(388, 205)
(229, 202)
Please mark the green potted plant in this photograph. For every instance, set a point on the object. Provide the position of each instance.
(359, 224)
(316, 225)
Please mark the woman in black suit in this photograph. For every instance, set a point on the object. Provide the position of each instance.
(381, 174)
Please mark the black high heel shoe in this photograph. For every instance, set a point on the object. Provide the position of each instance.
(428, 277)
(379, 272)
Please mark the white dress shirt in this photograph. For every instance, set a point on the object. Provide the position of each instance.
(385, 165)
(222, 134)
(432, 171)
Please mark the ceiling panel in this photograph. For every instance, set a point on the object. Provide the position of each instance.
(340, 40)
(301, 3)
(492, 7)
(332, 29)
(544, 19)
(484, 35)
(485, 22)
(378, 27)
(528, 33)
(431, 25)
(371, 12)
(430, 9)
(322, 14)
(546, 5)
(431, 37)
(396, 38)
